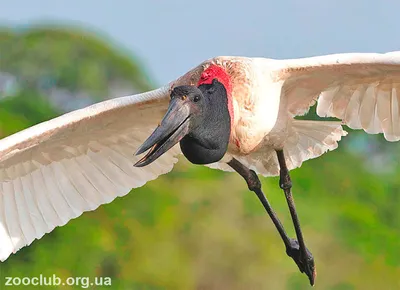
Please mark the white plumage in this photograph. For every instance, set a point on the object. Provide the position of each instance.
(54, 171)
(57, 170)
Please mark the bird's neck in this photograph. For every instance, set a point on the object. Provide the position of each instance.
(216, 72)
(208, 142)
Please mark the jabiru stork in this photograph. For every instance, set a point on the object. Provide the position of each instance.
(229, 113)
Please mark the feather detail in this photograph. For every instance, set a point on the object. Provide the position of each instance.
(308, 140)
(55, 171)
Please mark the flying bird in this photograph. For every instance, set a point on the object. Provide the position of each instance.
(228, 113)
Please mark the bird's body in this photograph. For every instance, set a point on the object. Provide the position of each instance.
(56, 170)
(261, 121)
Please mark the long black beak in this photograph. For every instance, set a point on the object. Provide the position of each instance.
(174, 126)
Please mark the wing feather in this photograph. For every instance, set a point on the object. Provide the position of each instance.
(354, 87)
(56, 170)
(395, 112)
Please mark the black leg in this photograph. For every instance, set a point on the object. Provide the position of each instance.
(254, 184)
(306, 260)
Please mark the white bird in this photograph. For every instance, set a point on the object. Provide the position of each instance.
(230, 113)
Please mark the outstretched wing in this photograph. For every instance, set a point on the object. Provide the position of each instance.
(54, 171)
(361, 89)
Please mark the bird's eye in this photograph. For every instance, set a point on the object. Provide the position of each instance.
(196, 99)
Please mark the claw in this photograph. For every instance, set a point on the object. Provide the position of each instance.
(306, 264)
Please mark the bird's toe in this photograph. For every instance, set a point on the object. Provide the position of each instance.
(305, 262)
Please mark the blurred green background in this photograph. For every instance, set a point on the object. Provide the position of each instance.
(198, 228)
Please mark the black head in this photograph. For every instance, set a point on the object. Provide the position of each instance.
(199, 119)
(194, 99)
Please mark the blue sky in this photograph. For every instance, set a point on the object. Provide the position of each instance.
(171, 36)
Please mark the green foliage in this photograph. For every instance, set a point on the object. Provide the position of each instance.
(29, 105)
(198, 228)
(70, 58)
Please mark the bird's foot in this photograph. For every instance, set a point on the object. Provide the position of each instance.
(306, 264)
